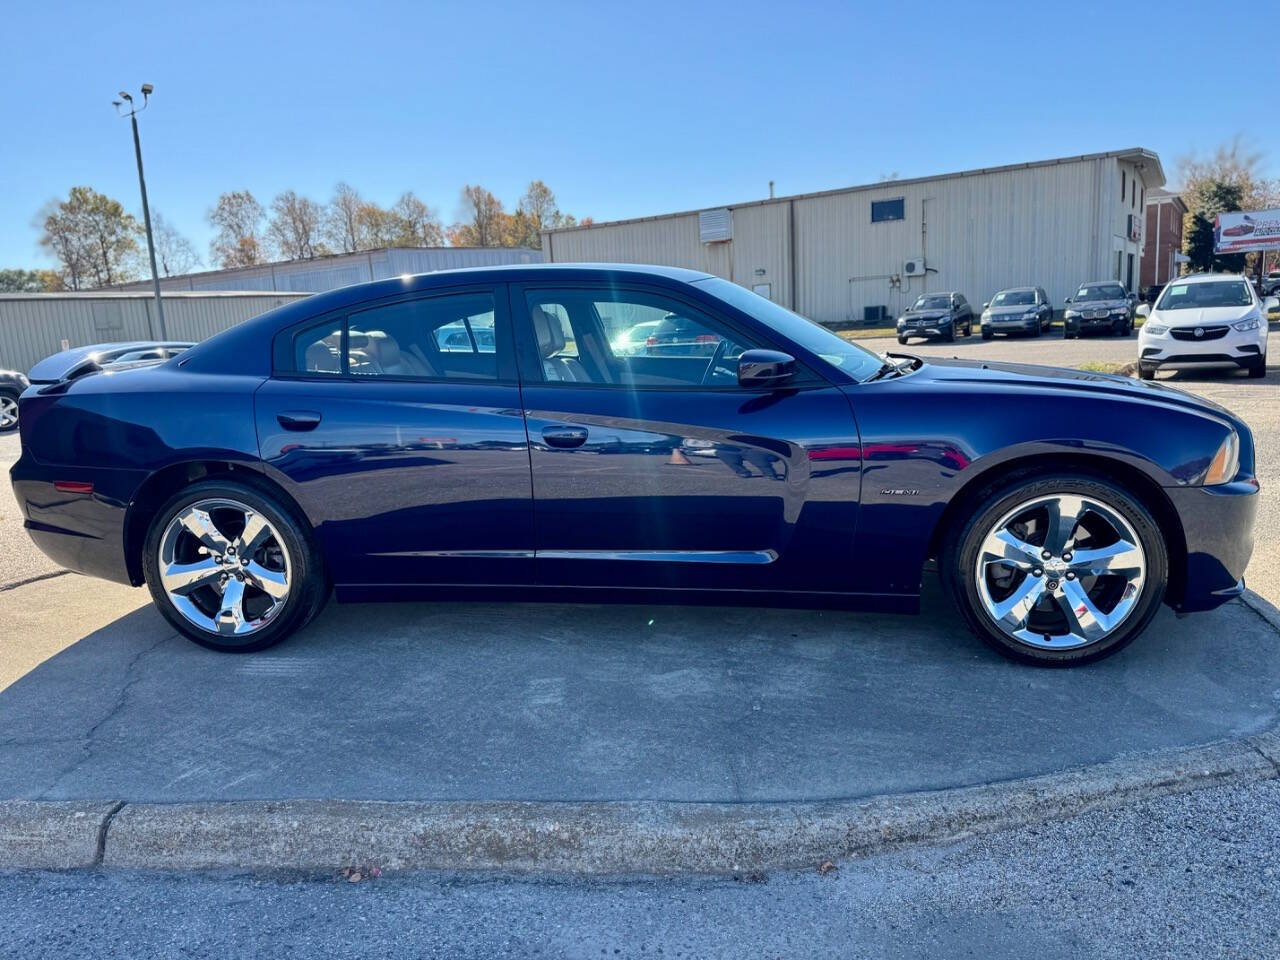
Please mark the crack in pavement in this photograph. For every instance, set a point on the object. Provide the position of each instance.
(129, 678)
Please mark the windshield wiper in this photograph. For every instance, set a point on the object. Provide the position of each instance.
(888, 367)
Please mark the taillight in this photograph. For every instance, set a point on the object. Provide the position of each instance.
(706, 338)
(651, 342)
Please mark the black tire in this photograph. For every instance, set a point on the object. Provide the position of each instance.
(950, 335)
(309, 588)
(1037, 331)
(960, 556)
(1068, 335)
(9, 396)
(1146, 372)
(987, 334)
(902, 340)
(1258, 369)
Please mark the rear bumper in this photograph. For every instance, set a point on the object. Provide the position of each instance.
(1218, 524)
(83, 532)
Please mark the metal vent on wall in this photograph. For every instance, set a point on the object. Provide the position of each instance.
(715, 226)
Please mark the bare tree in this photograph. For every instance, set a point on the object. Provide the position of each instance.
(418, 224)
(175, 254)
(482, 222)
(237, 217)
(295, 225)
(342, 219)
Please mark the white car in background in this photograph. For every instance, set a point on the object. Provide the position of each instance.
(1211, 318)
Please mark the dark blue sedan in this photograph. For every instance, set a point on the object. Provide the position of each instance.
(341, 443)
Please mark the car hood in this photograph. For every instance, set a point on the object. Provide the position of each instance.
(1205, 317)
(1027, 376)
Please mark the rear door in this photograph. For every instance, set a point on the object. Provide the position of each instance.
(398, 428)
(653, 468)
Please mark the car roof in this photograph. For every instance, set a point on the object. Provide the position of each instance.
(1017, 290)
(1099, 283)
(1207, 277)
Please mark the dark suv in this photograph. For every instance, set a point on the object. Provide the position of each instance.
(1100, 306)
(936, 315)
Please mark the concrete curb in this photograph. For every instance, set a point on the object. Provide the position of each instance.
(1261, 607)
(590, 838)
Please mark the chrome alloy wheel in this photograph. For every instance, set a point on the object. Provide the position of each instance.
(1060, 572)
(8, 413)
(224, 567)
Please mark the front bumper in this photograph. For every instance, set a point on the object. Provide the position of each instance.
(1217, 523)
(1241, 347)
(998, 325)
(1093, 324)
(929, 328)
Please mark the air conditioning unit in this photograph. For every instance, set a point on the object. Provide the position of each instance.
(913, 268)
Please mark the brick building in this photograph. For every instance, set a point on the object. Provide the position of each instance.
(1163, 237)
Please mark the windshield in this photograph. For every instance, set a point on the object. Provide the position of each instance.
(1184, 296)
(854, 361)
(1100, 291)
(932, 303)
(1014, 298)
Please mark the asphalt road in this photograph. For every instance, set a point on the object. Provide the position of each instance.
(1196, 875)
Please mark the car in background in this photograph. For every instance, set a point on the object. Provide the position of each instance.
(12, 383)
(1212, 318)
(631, 342)
(940, 315)
(1099, 306)
(1270, 285)
(1017, 310)
(463, 338)
(678, 336)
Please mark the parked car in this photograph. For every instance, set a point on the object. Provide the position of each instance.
(1270, 286)
(1017, 310)
(1100, 306)
(12, 383)
(936, 315)
(245, 479)
(1208, 318)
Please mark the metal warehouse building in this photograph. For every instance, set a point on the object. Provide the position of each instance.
(35, 325)
(859, 253)
(343, 269)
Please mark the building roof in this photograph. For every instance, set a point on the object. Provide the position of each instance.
(1159, 195)
(1138, 155)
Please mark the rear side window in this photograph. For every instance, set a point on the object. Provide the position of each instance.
(318, 349)
(448, 337)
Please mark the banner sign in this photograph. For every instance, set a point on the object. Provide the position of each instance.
(1244, 231)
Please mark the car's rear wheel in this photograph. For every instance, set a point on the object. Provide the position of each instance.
(8, 411)
(231, 567)
(1057, 570)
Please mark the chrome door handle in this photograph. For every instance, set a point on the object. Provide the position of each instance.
(564, 437)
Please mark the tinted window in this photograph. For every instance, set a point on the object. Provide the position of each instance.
(1227, 293)
(935, 302)
(1100, 291)
(448, 337)
(630, 338)
(1014, 298)
(882, 210)
(318, 349)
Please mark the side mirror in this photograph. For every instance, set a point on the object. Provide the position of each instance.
(1272, 303)
(1144, 311)
(1068, 300)
(765, 368)
(985, 304)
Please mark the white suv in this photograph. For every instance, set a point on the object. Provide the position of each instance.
(1208, 318)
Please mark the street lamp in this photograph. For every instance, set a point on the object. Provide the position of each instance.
(132, 114)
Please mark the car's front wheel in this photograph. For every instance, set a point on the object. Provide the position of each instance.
(1258, 369)
(8, 411)
(1057, 570)
(231, 567)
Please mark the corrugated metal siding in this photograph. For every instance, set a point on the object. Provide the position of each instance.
(33, 327)
(329, 273)
(1048, 225)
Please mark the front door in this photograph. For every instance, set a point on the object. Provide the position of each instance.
(653, 468)
(398, 429)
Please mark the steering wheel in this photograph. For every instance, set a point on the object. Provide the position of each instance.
(712, 369)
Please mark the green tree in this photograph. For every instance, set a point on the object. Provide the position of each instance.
(29, 281)
(1205, 201)
(92, 236)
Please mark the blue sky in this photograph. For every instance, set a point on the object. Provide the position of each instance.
(623, 109)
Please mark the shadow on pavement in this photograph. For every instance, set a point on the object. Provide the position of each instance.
(556, 702)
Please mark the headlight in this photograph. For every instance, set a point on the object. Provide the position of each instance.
(1030, 315)
(1225, 462)
(986, 316)
(1248, 323)
(1155, 329)
(1120, 311)
(1070, 314)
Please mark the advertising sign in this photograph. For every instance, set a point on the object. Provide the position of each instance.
(1244, 231)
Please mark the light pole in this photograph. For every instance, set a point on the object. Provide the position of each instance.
(132, 114)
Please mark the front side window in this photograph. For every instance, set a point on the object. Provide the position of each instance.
(629, 338)
(1203, 296)
(451, 337)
